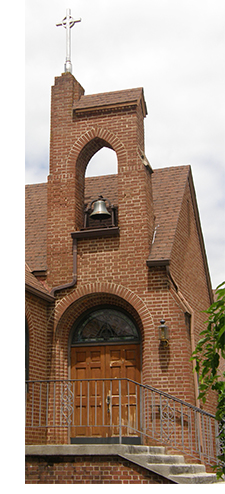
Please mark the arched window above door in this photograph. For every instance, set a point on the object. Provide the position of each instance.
(104, 324)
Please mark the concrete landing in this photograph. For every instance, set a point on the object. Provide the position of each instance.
(153, 458)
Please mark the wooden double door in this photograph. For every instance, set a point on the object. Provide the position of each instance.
(106, 405)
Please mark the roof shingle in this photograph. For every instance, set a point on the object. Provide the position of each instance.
(36, 226)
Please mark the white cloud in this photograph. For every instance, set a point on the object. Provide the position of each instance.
(175, 50)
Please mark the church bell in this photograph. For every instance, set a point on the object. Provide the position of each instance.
(100, 211)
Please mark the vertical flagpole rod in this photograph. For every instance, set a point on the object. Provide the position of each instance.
(68, 22)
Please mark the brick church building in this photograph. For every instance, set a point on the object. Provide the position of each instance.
(116, 282)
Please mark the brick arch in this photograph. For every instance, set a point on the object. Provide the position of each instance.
(100, 135)
(80, 154)
(103, 288)
(87, 296)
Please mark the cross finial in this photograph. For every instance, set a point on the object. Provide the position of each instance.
(68, 22)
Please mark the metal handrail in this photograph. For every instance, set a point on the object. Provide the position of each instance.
(118, 407)
(147, 386)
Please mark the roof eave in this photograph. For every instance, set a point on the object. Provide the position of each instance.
(152, 263)
(200, 234)
(39, 293)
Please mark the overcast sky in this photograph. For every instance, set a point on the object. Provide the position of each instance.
(175, 50)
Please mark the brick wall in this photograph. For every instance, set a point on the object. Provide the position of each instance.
(37, 311)
(87, 470)
(188, 270)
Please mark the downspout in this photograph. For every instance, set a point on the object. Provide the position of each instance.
(74, 280)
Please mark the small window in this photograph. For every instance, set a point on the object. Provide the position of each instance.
(105, 325)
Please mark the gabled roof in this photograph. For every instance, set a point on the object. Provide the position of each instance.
(168, 186)
(114, 99)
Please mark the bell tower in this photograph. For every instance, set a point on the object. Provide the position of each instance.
(80, 126)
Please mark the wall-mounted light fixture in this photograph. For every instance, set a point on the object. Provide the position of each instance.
(163, 333)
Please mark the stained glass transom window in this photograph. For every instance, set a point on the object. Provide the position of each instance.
(105, 324)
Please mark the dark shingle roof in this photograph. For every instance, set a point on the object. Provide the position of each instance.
(168, 188)
(36, 226)
(106, 186)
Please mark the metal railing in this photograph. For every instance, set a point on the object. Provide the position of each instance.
(117, 410)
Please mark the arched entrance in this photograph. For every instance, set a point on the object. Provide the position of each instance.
(105, 364)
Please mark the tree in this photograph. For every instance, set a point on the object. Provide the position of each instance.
(207, 354)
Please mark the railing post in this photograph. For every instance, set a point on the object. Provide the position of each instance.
(81, 402)
(161, 423)
(141, 408)
(182, 425)
(95, 403)
(54, 406)
(32, 414)
(47, 398)
(120, 425)
(103, 403)
(25, 403)
(128, 408)
(88, 402)
(40, 405)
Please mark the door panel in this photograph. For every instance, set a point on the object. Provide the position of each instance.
(124, 362)
(96, 403)
(87, 363)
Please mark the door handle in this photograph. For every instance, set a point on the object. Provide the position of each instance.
(108, 403)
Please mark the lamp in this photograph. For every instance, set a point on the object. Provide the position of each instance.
(163, 333)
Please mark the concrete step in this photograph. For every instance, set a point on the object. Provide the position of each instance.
(197, 478)
(178, 469)
(145, 449)
(159, 458)
(170, 466)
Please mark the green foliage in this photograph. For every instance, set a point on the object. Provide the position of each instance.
(207, 354)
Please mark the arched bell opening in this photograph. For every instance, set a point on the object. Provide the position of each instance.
(103, 163)
(96, 160)
(101, 197)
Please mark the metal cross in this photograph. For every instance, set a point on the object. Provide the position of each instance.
(68, 22)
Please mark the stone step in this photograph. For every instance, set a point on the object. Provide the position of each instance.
(170, 466)
(163, 458)
(145, 449)
(178, 469)
(191, 478)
